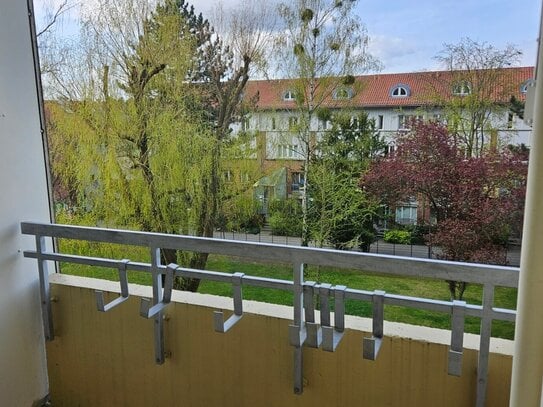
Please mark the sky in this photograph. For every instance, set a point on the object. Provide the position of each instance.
(406, 35)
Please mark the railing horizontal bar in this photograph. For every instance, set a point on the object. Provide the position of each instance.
(89, 261)
(285, 285)
(504, 314)
(420, 303)
(359, 295)
(216, 276)
(268, 283)
(392, 265)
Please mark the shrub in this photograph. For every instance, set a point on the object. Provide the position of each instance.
(397, 236)
(285, 217)
(419, 233)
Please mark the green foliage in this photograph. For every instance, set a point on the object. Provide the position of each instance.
(397, 236)
(240, 214)
(285, 217)
(419, 233)
(318, 48)
(339, 213)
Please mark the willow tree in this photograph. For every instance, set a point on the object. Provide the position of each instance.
(140, 151)
(322, 46)
(152, 122)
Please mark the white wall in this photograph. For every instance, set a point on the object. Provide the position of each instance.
(23, 196)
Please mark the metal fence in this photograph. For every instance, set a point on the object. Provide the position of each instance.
(511, 253)
(304, 330)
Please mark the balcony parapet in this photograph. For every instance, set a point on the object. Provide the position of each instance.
(304, 331)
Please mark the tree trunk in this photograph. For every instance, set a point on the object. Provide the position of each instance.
(457, 289)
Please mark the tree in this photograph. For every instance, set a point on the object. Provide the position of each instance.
(323, 45)
(152, 121)
(477, 201)
(480, 90)
(339, 212)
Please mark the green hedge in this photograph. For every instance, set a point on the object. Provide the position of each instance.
(397, 236)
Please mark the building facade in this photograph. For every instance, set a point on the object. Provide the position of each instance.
(391, 100)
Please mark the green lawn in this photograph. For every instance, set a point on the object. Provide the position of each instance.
(425, 288)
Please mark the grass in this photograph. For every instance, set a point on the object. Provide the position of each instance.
(420, 287)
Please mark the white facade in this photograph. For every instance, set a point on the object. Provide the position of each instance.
(283, 143)
(23, 375)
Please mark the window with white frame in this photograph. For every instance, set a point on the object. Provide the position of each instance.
(244, 176)
(510, 120)
(390, 150)
(288, 151)
(400, 91)
(245, 124)
(323, 124)
(343, 93)
(406, 215)
(525, 85)
(461, 88)
(298, 181)
(289, 95)
(404, 120)
(292, 122)
(380, 120)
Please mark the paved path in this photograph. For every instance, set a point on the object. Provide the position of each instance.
(379, 247)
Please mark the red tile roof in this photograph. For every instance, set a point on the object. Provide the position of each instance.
(426, 88)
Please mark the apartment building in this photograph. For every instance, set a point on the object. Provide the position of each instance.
(389, 99)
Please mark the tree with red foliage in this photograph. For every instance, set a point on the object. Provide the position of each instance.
(477, 202)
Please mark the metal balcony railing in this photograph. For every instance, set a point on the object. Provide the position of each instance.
(304, 330)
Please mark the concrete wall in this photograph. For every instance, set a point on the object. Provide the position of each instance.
(23, 196)
(107, 359)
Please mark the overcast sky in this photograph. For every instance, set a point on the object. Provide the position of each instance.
(406, 34)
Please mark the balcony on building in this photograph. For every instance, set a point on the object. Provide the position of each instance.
(75, 341)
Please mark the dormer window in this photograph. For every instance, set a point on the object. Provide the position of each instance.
(343, 93)
(400, 91)
(289, 95)
(525, 85)
(461, 88)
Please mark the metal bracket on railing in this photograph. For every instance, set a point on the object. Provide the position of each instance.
(297, 331)
(45, 294)
(218, 316)
(457, 338)
(123, 279)
(372, 345)
(332, 336)
(314, 334)
(148, 311)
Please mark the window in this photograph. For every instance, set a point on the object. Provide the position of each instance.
(287, 151)
(227, 176)
(244, 176)
(273, 124)
(510, 118)
(354, 122)
(404, 120)
(343, 93)
(400, 91)
(438, 118)
(525, 85)
(390, 150)
(297, 181)
(406, 215)
(462, 88)
(289, 95)
(323, 124)
(380, 120)
(292, 122)
(245, 123)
